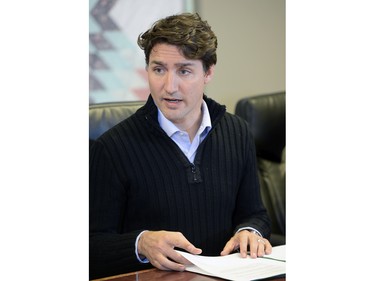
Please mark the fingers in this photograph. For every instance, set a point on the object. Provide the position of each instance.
(267, 248)
(182, 243)
(164, 263)
(158, 247)
(229, 247)
(259, 246)
(244, 240)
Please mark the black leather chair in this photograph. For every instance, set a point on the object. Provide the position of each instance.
(266, 116)
(104, 116)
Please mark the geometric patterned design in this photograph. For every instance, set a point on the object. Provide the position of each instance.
(100, 13)
(94, 84)
(100, 42)
(96, 62)
(117, 66)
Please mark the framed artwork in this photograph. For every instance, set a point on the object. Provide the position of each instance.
(117, 66)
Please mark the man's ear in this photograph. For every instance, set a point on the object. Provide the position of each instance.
(209, 74)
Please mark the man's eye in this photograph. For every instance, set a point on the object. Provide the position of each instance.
(184, 71)
(158, 70)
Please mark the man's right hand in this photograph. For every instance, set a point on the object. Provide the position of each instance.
(158, 248)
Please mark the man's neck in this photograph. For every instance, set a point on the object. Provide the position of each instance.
(192, 131)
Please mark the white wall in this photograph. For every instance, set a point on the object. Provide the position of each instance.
(251, 47)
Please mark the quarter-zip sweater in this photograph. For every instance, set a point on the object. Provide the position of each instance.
(141, 180)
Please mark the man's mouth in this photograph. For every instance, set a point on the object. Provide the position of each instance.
(173, 100)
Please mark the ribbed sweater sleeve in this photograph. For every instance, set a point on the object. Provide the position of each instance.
(111, 249)
(140, 179)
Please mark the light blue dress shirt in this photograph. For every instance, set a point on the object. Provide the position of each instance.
(181, 138)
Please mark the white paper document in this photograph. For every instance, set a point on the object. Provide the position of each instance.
(233, 267)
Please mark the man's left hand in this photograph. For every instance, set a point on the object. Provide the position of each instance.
(244, 239)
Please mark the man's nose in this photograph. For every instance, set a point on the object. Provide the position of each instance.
(170, 83)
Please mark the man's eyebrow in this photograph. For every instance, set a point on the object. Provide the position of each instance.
(181, 64)
(157, 62)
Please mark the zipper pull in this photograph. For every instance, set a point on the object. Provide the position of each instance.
(194, 172)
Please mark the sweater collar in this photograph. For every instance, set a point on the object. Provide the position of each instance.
(171, 128)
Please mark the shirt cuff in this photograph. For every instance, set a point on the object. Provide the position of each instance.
(142, 260)
(251, 229)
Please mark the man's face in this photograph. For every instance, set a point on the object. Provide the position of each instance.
(177, 84)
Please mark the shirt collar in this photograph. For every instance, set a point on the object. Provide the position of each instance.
(171, 128)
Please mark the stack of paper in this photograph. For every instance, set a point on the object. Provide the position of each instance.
(233, 267)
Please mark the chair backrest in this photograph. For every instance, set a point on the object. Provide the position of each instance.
(266, 116)
(104, 116)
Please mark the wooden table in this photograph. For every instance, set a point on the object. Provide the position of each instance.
(159, 275)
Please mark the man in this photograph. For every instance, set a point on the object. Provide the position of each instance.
(180, 172)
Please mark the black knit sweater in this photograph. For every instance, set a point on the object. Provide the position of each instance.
(141, 180)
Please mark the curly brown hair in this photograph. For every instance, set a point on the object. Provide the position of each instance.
(188, 32)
